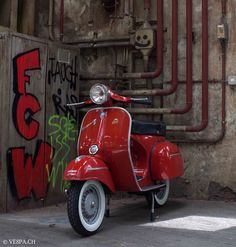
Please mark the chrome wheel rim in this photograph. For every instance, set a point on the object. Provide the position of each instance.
(90, 205)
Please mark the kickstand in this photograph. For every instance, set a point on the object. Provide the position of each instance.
(107, 212)
(152, 214)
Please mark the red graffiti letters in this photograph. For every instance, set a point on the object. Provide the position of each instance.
(25, 104)
(30, 174)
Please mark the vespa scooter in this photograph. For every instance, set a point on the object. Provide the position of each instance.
(116, 153)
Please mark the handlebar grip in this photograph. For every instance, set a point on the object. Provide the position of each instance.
(144, 101)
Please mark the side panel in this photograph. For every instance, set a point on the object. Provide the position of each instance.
(166, 162)
(89, 168)
(109, 128)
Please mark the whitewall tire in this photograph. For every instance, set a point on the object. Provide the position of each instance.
(86, 206)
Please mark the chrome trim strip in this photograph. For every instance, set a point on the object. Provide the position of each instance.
(97, 168)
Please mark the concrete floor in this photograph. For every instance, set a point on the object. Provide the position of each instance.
(180, 223)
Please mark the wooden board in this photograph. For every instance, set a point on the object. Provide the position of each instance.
(38, 133)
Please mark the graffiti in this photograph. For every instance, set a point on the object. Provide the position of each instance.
(25, 105)
(30, 174)
(27, 173)
(64, 109)
(63, 132)
(65, 73)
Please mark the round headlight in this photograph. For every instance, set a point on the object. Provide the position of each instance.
(99, 94)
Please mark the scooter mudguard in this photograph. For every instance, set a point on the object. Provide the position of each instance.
(166, 161)
(87, 167)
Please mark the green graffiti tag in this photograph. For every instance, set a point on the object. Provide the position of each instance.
(62, 135)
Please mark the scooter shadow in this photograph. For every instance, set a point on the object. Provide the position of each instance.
(137, 211)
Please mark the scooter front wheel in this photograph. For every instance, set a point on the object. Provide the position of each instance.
(86, 206)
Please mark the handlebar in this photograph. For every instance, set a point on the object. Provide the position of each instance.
(86, 102)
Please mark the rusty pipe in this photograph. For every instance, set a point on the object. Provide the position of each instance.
(189, 69)
(144, 75)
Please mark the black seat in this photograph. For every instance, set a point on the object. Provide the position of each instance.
(148, 128)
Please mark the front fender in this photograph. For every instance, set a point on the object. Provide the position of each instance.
(86, 167)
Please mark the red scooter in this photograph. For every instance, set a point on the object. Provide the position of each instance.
(116, 153)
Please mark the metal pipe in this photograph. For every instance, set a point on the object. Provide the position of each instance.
(189, 69)
(204, 121)
(50, 20)
(223, 95)
(144, 75)
(104, 45)
(62, 20)
(174, 80)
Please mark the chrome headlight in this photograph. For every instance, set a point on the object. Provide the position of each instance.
(99, 94)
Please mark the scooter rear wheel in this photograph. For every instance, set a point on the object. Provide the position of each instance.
(86, 206)
(161, 196)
